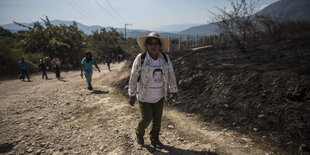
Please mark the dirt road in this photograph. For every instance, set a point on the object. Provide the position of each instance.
(63, 117)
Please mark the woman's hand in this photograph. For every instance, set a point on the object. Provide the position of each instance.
(174, 97)
(132, 100)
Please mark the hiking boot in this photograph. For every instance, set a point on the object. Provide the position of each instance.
(157, 144)
(140, 139)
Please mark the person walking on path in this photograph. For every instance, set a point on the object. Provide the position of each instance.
(109, 63)
(56, 64)
(23, 65)
(42, 67)
(152, 78)
(87, 68)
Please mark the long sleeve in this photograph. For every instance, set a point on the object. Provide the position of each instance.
(135, 73)
(26, 65)
(172, 84)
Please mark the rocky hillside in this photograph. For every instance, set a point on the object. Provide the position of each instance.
(264, 93)
(288, 9)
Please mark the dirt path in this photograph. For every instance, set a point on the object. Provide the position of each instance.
(198, 48)
(63, 117)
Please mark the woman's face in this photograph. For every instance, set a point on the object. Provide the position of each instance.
(87, 55)
(153, 46)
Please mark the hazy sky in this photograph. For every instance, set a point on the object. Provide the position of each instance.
(142, 14)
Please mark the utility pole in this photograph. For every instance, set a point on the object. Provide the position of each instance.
(125, 30)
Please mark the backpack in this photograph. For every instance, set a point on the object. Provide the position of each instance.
(144, 54)
(143, 57)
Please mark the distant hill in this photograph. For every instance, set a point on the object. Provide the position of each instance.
(86, 29)
(201, 30)
(288, 9)
(131, 33)
(282, 10)
(174, 28)
(14, 28)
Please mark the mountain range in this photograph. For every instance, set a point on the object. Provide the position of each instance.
(288, 9)
(174, 28)
(281, 10)
(131, 33)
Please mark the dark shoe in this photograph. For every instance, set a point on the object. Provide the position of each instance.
(157, 144)
(140, 140)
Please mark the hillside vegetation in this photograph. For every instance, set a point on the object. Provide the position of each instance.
(65, 42)
(263, 92)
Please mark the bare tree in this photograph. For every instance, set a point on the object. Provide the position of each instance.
(238, 23)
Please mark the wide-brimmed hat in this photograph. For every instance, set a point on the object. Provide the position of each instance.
(164, 42)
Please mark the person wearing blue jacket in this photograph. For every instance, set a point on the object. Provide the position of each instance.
(87, 68)
(23, 65)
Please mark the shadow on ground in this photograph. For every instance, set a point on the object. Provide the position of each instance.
(99, 92)
(173, 150)
(6, 147)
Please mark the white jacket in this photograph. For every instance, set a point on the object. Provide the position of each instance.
(138, 88)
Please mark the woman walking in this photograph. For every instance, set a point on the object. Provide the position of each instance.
(56, 63)
(152, 78)
(87, 68)
(23, 65)
(42, 67)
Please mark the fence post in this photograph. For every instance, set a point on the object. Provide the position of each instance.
(179, 42)
(213, 39)
(196, 40)
(209, 38)
(187, 44)
(203, 40)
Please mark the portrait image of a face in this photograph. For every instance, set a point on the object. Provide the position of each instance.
(158, 75)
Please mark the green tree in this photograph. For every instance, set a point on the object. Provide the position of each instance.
(65, 42)
(106, 43)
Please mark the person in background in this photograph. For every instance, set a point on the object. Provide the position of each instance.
(87, 68)
(23, 65)
(42, 67)
(109, 63)
(56, 63)
(103, 59)
(152, 77)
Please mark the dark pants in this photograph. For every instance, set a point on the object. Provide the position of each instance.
(44, 74)
(57, 72)
(150, 112)
(24, 72)
(108, 64)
